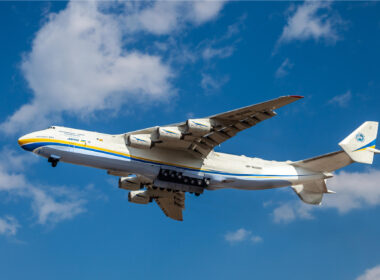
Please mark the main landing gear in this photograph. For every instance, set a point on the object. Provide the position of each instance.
(53, 160)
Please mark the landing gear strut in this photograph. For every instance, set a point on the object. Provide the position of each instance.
(53, 161)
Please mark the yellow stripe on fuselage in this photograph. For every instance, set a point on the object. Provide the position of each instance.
(36, 140)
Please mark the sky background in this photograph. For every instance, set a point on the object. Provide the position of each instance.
(114, 67)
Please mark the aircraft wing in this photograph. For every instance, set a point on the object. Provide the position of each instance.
(224, 126)
(172, 204)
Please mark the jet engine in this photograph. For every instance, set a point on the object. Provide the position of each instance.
(132, 183)
(198, 126)
(141, 141)
(168, 133)
(140, 197)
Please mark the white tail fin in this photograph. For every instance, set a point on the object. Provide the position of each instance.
(360, 144)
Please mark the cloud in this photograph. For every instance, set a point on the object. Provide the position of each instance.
(50, 204)
(341, 100)
(210, 84)
(371, 274)
(165, 17)
(57, 205)
(242, 235)
(82, 60)
(203, 11)
(354, 190)
(256, 239)
(14, 160)
(284, 68)
(311, 20)
(289, 212)
(8, 226)
(210, 52)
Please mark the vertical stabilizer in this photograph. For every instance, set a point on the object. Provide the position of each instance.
(360, 144)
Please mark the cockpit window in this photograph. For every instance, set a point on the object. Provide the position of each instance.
(52, 127)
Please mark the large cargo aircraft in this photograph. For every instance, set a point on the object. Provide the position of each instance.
(162, 163)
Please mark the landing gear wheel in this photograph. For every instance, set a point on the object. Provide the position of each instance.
(53, 161)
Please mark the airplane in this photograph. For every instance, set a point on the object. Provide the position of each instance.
(162, 163)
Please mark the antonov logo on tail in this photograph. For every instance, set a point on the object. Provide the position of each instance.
(360, 137)
(163, 167)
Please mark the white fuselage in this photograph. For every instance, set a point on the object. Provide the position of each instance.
(111, 153)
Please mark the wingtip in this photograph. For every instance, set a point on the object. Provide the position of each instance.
(297, 96)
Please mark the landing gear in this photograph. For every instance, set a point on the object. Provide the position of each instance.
(53, 161)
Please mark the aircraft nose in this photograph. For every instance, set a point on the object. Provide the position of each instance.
(23, 141)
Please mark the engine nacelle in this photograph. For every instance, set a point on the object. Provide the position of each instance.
(140, 141)
(168, 133)
(140, 197)
(198, 126)
(132, 183)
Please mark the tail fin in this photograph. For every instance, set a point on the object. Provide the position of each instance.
(360, 144)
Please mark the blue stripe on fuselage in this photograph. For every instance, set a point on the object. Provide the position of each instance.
(33, 146)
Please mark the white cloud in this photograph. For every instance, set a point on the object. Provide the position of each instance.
(354, 190)
(256, 239)
(289, 212)
(209, 83)
(164, 17)
(311, 20)
(284, 68)
(341, 100)
(50, 204)
(15, 161)
(81, 62)
(8, 226)
(371, 274)
(203, 11)
(242, 235)
(210, 52)
(53, 207)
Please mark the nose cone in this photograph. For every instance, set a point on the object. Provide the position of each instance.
(24, 142)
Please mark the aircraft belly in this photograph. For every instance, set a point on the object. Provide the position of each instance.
(251, 184)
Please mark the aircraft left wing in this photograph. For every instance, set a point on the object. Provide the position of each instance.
(200, 136)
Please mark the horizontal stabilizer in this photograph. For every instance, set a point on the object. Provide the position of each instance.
(325, 163)
(311, 192)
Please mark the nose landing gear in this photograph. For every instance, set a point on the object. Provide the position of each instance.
(53, 160)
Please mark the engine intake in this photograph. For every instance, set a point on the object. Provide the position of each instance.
(140, 141)
(139, 197)
(132, 183)
(198, 126)
(168, 133)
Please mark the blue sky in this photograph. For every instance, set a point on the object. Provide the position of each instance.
(119, 66)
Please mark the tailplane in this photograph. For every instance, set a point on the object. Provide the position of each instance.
(311, 192)
(359, 146)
